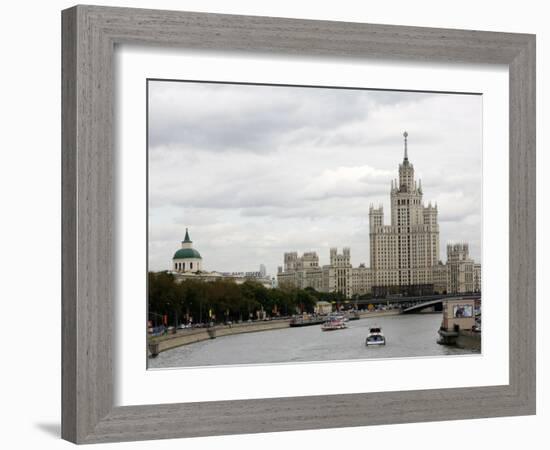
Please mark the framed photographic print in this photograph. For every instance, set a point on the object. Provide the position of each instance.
(306, 210)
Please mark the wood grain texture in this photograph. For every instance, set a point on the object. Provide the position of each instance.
(68, 226)
(89, 36)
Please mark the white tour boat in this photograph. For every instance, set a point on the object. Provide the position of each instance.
(334, 323)
(375, 336)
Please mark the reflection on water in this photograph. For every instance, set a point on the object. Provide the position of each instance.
(406, 336)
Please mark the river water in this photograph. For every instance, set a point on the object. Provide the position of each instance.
(406, 336)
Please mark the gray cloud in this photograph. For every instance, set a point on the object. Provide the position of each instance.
(255, 171)
(246, 119)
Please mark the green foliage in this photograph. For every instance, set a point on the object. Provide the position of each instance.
(223, 300)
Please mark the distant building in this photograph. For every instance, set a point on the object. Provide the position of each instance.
(477, 277)
(187, 259)
(338, 276)
(461, 269)
(440, 274)
(361, 280)
(301, 272)
(187, 264)
(323, 308)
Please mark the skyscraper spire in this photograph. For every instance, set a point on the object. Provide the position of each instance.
(405, 135)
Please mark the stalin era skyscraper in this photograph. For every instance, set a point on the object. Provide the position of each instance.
(403, 254)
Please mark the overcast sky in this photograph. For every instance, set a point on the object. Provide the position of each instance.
(256, 171)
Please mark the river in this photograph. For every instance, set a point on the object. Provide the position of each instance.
(406, 335)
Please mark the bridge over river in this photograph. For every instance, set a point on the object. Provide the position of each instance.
(410, 305)
(434, 302)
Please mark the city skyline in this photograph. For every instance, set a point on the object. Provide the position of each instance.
(257, 171)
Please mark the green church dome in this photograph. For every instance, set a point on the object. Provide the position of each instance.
(183, 253)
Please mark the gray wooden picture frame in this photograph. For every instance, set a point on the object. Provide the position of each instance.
(90, 34)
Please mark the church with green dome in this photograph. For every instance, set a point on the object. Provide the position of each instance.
(187, 265)
(187, 259)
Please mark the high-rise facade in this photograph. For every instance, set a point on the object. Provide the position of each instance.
(301, 271)
(338, 276)
(404, 253)
(464, 275)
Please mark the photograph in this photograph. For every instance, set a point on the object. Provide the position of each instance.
(295, 224)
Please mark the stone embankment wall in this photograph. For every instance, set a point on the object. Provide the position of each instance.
(185, 337)
(469, 340)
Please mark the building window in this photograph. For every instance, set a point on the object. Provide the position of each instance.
(191, 264)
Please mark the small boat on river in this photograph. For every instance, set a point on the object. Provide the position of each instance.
(334, 323)
(306, 320)
(375, 337)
